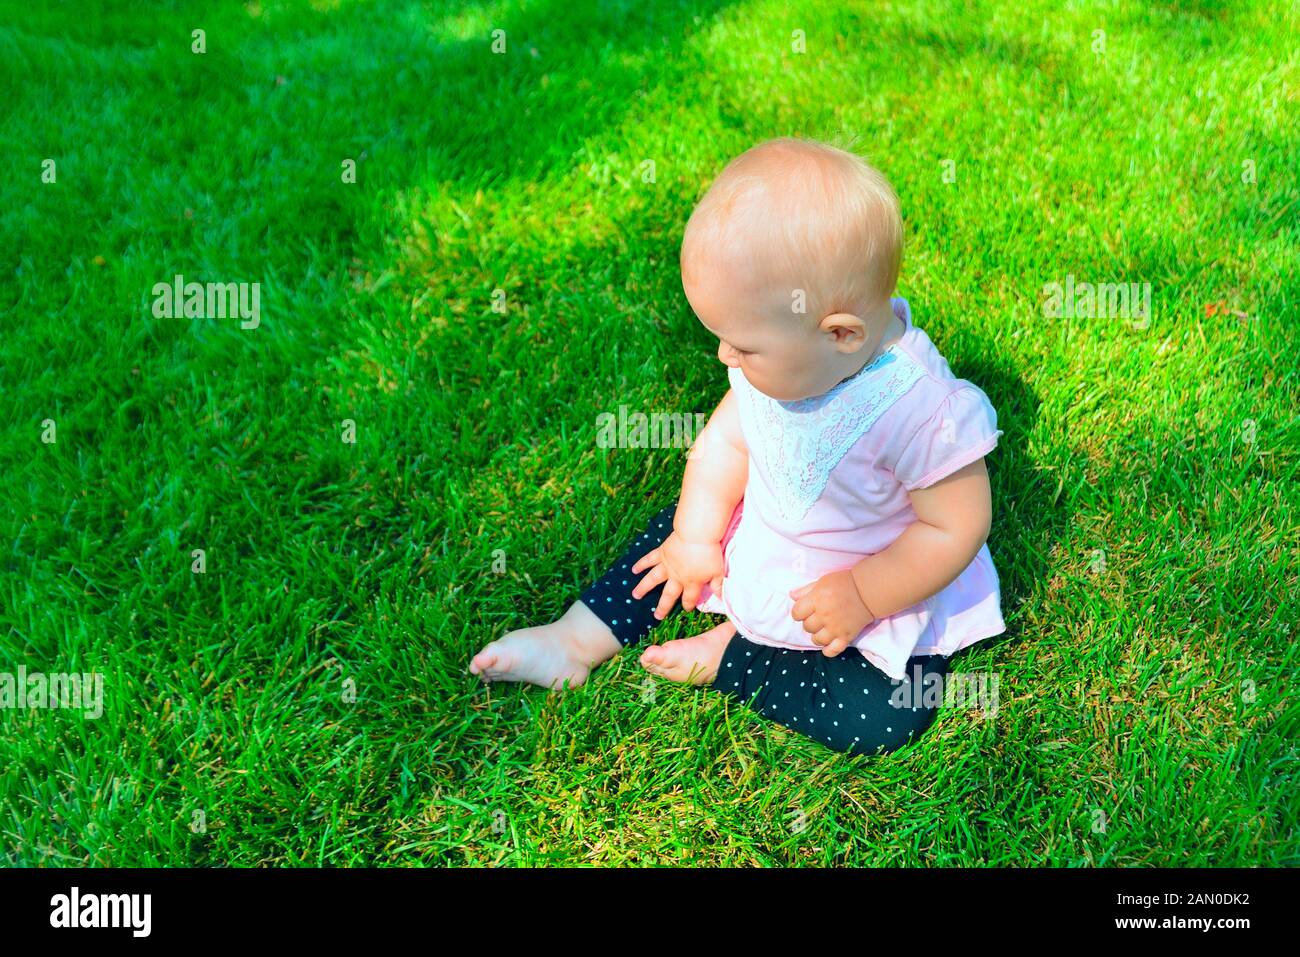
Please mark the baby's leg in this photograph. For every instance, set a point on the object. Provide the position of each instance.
(593, 630)
(610, 597)
(845, 702)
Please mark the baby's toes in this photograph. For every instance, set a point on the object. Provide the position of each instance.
(484, 661)
(652, 660)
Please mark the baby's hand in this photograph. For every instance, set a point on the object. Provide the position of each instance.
(832, 611)
(686, 567)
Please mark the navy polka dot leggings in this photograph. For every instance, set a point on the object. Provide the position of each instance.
(845, 702)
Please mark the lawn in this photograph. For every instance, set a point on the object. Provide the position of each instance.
(503, 271)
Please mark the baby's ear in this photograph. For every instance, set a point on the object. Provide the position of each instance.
(848, 332)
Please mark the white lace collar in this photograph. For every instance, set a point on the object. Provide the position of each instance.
(799, 443)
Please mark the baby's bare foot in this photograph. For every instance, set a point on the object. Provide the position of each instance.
(693, 660)
(551, 655)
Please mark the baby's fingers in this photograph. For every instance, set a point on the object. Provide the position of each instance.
(653, 579)
(691, 596)
(647, 560)
(668, 598)
(814, 623)
(836, 647)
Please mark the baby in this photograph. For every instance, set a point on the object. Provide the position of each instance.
(836, 506)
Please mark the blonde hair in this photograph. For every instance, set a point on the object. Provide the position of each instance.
(807, 212)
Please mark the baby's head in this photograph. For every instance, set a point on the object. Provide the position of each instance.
(790, 259)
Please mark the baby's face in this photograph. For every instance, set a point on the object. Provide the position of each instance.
(783, 354)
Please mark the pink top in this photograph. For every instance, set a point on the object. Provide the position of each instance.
(828, 484)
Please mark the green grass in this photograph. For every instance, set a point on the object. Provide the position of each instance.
(1151, 690)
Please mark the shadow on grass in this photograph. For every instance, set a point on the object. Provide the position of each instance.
(488, 117)
(1029, 517)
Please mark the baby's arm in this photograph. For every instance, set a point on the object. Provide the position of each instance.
(712, 486)
(952, 524)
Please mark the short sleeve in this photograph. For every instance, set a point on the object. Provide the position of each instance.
(964, 428)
